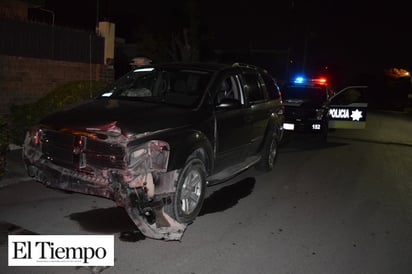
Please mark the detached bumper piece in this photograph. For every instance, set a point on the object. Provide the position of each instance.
(147, 215)
(151, 220)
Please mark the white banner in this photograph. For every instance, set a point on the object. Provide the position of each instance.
(61, 250)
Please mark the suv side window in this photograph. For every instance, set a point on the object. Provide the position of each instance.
(253, 88)
(229, 88)
(271, 86)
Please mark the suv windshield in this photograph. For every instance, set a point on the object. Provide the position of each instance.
(315, 94)
(181, 87)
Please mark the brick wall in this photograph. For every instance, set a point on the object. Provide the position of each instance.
(24, 80)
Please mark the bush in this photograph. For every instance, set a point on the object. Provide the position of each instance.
(4, 144)
(22, 117)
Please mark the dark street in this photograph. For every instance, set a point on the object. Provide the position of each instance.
(340, 207)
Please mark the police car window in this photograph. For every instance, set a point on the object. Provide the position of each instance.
(252, 88)
(316, 94)
(352, 95)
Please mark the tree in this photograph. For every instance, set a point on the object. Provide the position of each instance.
(179, 42)
(182, 49)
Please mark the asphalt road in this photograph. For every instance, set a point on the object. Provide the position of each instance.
(340, 207)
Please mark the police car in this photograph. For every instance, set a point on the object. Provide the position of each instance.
(312, 107)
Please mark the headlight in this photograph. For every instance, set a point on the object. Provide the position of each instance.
(154, 154)
(137, 155)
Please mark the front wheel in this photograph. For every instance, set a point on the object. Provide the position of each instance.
(325, 131)
(190, 192)
(269, 154)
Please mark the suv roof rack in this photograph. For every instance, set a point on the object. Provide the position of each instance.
(237, 64)
(244, 65)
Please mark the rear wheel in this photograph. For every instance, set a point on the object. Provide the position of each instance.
(269, 154)
(190, 192)
(281, 136)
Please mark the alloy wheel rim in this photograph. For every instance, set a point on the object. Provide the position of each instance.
(191, 191)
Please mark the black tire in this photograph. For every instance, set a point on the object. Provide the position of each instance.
(190, 192)
(281, 136)
(269, 154)
(286, 137)
(324, 133)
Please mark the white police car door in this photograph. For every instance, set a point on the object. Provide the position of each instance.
(348, 108)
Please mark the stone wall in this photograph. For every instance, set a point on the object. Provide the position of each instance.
(24, 80)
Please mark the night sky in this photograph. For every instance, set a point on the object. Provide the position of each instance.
(358, 35)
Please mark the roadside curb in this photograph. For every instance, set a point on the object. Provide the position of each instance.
(12, 181)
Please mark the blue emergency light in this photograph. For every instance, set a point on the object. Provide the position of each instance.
(299, 80)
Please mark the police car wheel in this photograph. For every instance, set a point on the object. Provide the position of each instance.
(324, 133)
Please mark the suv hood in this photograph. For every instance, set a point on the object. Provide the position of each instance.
(132, 117)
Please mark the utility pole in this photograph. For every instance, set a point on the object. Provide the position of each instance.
(97, 16)
(305, 53)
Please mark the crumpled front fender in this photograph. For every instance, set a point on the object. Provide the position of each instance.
(142, 187)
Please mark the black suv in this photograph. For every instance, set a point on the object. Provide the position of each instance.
(157, 137)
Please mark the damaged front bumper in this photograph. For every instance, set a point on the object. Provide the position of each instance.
(135, 178)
